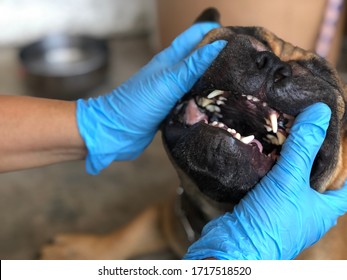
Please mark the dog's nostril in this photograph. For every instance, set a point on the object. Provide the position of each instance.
(282, 72)
(263, 60)
(270, 64)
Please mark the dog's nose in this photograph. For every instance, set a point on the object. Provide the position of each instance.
(270, 64)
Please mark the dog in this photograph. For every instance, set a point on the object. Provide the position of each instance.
(223, 136)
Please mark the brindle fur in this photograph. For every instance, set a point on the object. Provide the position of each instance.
(159, 227)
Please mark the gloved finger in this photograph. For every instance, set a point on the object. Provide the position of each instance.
(184, 44)
(185, 74)
(303, 143)
(337, 199)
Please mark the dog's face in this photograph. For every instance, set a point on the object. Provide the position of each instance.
(227, 132)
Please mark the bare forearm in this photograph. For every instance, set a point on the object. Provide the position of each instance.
(36, 132)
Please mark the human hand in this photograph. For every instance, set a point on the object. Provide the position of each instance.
(282, 215)
(120, 125)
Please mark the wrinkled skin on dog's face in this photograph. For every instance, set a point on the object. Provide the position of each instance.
(227, 132)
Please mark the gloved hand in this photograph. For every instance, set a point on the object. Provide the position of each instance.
(120, 125)
(282, 215)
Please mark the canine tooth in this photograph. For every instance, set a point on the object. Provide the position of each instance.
(249, 97)
(203, 102)
(215, 93)
(238, 136)
(247, 139)
(219, 102)
(274, 125)
(222, 98)
(281, 138)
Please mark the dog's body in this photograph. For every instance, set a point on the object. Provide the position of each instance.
(219, 156)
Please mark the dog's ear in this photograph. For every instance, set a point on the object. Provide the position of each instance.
(210, 15)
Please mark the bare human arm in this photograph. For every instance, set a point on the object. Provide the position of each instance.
(116, 126)
(36, 132)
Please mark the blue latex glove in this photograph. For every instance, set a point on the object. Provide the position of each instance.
(282, 215)
(120, 125)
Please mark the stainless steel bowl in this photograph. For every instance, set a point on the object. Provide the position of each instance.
(64, 67)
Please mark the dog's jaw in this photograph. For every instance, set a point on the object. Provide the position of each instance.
(206, 136)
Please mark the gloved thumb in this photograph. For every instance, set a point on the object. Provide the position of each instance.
(188, 71)
(303, 143)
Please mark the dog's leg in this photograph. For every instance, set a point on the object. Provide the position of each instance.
(141, 236)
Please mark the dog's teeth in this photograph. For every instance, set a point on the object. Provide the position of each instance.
(203, 102)
(272, 139)
(237, 136)
(264, 104)
(249, 97)
(222, 98)
(255, 99)
(215, 123)
(213, 108)
(281, 138)
(268, 128)
(219, 102)
(221, 125)
(215, 93)
(274, 125)
(231, 130)
(217, 109)
(210, 108)
(247, 139)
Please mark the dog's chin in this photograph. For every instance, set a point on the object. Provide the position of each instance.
(225, 142)
(222, 167)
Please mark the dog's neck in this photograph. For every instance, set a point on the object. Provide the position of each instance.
(196, 207)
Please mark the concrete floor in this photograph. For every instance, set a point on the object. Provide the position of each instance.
(37, 204)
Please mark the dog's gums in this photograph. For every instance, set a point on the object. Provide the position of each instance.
(245, 118)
